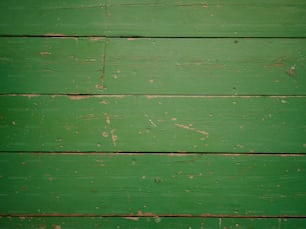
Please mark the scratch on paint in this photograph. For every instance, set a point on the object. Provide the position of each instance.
(45, 53)
(114, 137)
(78, 97)
(132, 218)
(220, 223)
(150, 120)
(107, 118)
(192, 129)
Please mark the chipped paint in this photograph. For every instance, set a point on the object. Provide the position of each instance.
(105, 134)
(107, 118)
(150, 120)
(78, 97)
(45, 53)
(114, 137)
(192, 129)
(132, 218)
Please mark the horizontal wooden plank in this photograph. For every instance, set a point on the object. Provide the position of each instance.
(72, 17)
(206, 66)
(51, 65)
(148, 223)
(153, 123)
(153, 66)
(197, 18)
(152, 185)
(184, 18)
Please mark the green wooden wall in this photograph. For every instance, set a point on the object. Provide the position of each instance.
(153, 114)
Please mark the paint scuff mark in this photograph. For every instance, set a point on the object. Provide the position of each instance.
(78, 97)
(150, 120)
(105, 102)
(107, 118)
(192, 129)
(105, 134)
(292, 71)
(114, 137)
(100, 87)
(157, 219)
(152, 96)
(132, 218)
(27, 95)
(283, 101)
(45, 53)
(96, 38)
(146, 214)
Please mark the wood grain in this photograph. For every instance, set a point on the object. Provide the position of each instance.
(153, 123)
(205, 98)
(206, 66)
(184, 18)
(51, 65)
(152, 185)
(147, 223)
(196, 18)
(153, 66)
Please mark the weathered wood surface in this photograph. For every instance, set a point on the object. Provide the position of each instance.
(152, 185)
(153, 124)
(184, 18)
(51, 65)
(206, 66)
(153, 66)
(149, 223)
(204, 89)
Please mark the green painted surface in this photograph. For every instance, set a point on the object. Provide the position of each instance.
(206, 66)
(152, 184)
(153, 66)
(153, 123)
(184, 18)
(236, 95)
(51, 65)
(197, 18)
(151, 223)
(34, 17)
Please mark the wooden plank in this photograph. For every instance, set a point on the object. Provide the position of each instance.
(147, 223)
(153, 66)
(206, 66)
(153, 123)
(152, 185)
(184, 18)
(51, 65)
(32, 17)
(197, 18)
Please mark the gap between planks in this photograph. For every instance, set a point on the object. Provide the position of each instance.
(149, 96)
(141, 37)
(150, 215)
(173, 154)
